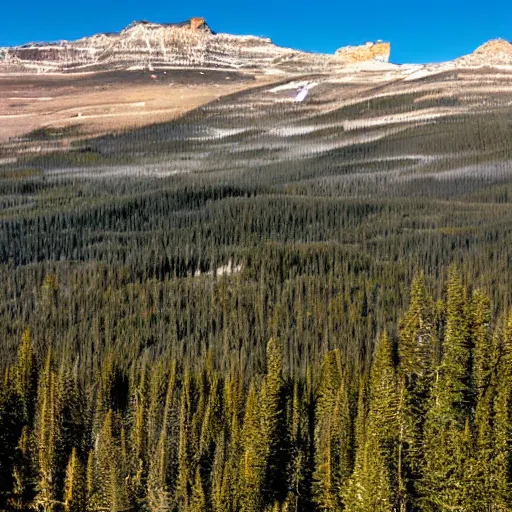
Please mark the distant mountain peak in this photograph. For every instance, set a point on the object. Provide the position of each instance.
(493, 52)
(495, 46)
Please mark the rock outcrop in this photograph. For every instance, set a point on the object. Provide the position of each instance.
(191, 24)
(492, 53)
(379, 51)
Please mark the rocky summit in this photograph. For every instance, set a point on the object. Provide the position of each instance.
(495, 52)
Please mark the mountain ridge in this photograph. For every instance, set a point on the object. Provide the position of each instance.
(193, 43)
(190, 43)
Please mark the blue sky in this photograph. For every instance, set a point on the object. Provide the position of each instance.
(419, 30)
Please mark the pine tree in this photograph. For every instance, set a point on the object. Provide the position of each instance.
(26, 377)
(138, 438)
(10, 429)
(109, 473)
(198, 498)
(301, 464)
(218, 475)
(374, 482)
(91, 490)
(74, 485)
(454, 388)
(159, 494)
(274, 428)
(415, 352)
(183, 479)
(47, 438)
(500, 462)
(479, 468)
(443, 484)
(253, 464)
(416, 334)
(368, 489)
(332, 435)
(480, 332)
(73, 421)
(22, 476)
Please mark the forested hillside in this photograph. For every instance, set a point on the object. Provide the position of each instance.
(264, 305)
(426, 427)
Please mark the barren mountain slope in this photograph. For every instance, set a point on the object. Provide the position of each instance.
(104, 102)
(154, 73)
(159, 46)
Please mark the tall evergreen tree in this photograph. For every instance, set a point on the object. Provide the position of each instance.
(443, 485)
(374, 482)
(274, 427)
(74, 485)
(47, 438)
(109, 474)
(22, 490)
(26, 377)
(253, 463)
(415, 352)
(10, 429)
(332, 435)
(499, 468)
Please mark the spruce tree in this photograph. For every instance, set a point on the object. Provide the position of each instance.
(159, 493)
(415, 353)
(443, 484)
(480, 468)
(10, 429)
(47, 438)
(253, 464)
(198, 498)
(374, 482)
(500, 462)
(274, 427)
(22, 474)
(26, 377)
(332, 435)
(74, 485)
(109, 473)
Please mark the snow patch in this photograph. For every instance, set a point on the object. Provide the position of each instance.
(293, 85)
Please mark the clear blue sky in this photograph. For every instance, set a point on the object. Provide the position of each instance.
(419, 30)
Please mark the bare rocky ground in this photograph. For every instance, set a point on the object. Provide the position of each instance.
(107, 101)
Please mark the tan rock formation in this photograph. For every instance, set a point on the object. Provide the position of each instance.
(370, 51)
(494, 52)
(197, 23)
(494, 47)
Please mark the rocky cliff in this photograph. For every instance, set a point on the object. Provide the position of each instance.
(370, 51)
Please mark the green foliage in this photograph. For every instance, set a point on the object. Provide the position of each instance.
(138, 374)
(74, 485)
(174, 436)
(333, 436)
(374, 482)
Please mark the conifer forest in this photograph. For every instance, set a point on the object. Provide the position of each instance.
(232, 311)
